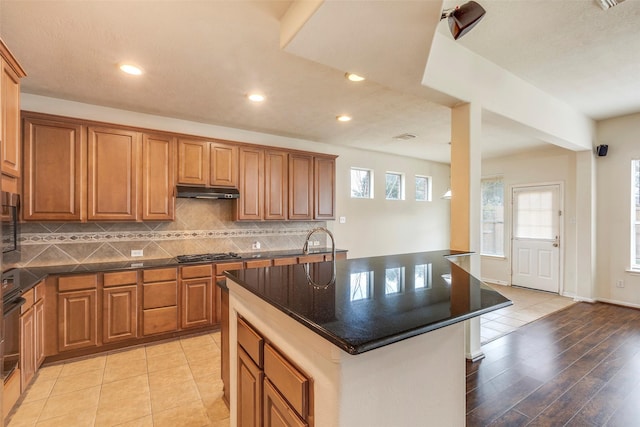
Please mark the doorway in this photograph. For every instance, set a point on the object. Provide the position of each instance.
(536, 235)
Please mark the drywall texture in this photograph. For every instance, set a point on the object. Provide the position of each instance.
(614, 210)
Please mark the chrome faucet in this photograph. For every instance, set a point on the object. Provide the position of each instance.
(305, 251)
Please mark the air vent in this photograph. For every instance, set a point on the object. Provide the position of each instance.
(607, 4)
(404, 136)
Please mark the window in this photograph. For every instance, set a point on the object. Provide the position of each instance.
(492, 217)
(360, 286)
(361, 183)
(635, 214)
(394, 186)
(423, 277)
(423, 188)
(393, 280)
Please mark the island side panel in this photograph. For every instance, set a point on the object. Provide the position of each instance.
(417, 380)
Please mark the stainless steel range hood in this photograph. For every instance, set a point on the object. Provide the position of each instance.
(207, 193)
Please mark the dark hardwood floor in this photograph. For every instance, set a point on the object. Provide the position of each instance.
(577, 367)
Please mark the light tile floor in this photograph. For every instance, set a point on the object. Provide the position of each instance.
(528, 305)
(175, 383)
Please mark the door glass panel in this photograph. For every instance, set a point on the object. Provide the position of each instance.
(535, 213)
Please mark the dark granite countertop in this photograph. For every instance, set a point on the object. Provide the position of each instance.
(375, 301)
(31, 276)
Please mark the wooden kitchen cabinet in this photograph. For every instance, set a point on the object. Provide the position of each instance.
(276, 174)
(324, 192)
(10, 157)
(271, 391)
(193, 161)
(77, 319)
(159, 301)
(53, 170)
(250, 205)
(196, 285)
(158, 182)
(300, 186)
(223, 164)
(119, 306)
(113, 156)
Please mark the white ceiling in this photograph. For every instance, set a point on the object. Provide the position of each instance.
(202, 57)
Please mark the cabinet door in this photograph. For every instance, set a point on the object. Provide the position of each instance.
(324, 179)
(300, 186)
(193, 162)
(277, 412)
(251, 184)
(276, 188)
(224, 344)
(223, 164)
(120, 313)
(158, 185)
(10, 120)
(77, 320)
(113, 170)
(250, 379)
(39, 332)
(53, 170)
(196, 302)
(27, 348)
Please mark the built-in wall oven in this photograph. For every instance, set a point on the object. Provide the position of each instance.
(12, 301)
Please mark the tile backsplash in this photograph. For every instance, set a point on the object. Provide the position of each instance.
(201, 226)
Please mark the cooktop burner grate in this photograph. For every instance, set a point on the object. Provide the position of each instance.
(207, 257)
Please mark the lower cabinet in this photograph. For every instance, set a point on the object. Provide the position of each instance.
(196, 289)
(119, 306)
(159, 301)
(77, 312)
(272, 391)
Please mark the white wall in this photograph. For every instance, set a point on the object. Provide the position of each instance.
(373, 227)
(548, 165)
(613, 214)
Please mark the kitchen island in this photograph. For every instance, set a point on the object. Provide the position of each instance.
(382, 346)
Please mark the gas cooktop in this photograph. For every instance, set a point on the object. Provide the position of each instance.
(207, 257)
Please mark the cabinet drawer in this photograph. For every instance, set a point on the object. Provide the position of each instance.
(195, 271)
(257, 263)
(221, 268)
(252, 343)
(157, 320)
(311, 258)
(29, 297)
(162, 294)
(120, 278)
(292, 384)
(76, 283)
(159, 275)
(285, 261)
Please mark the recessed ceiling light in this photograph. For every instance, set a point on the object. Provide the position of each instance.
(343, 118)
(255, 97)
(131, 69)
(354, 77)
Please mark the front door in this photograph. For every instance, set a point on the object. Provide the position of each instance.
(536, 237)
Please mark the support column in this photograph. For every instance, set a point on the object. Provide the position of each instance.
(466, 164)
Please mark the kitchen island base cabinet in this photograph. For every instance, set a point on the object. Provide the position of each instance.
(418, 378)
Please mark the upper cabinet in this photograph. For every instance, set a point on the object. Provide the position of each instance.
(193, 162)
(223, 164)
(53, 170)
(10, 153)
(79, 172)
(204, 162)
(112, 174)
(158, 188)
